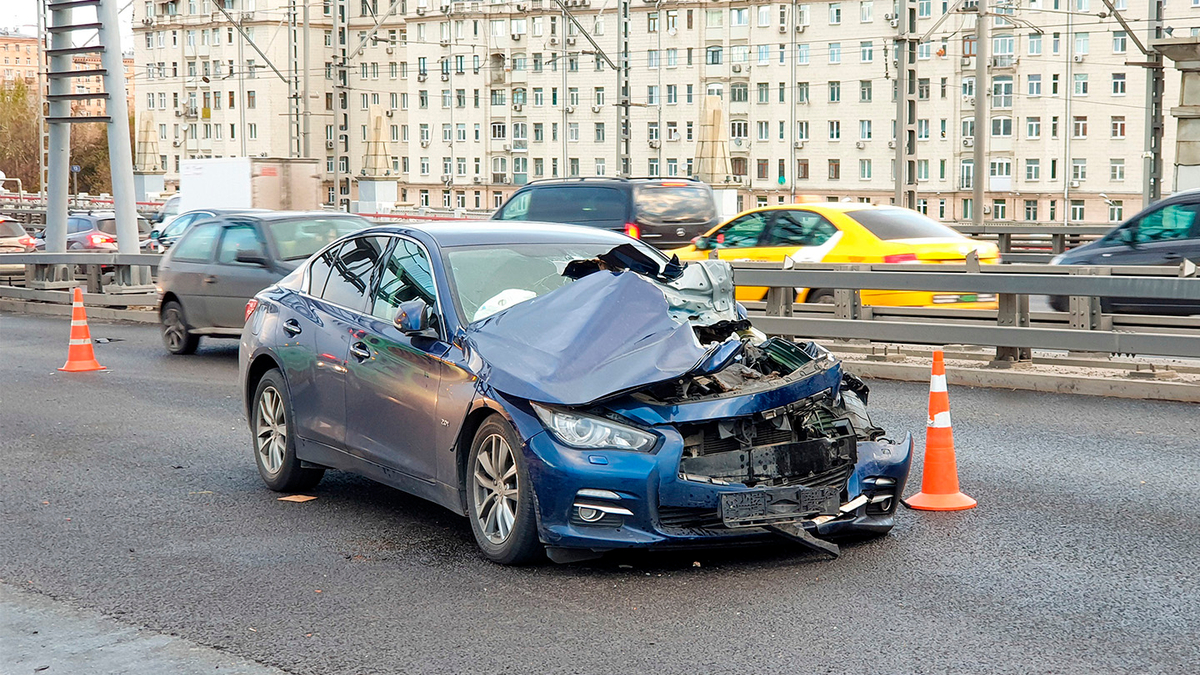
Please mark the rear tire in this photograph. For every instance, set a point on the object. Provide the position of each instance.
(176, 337)
(274, 441)
(821, 296)
(500, 501)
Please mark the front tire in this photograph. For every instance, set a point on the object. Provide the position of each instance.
(274, 441)
(500, 496)
(821, 296)
(176, 337)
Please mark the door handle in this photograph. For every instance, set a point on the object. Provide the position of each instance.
(359, 351)
(210, 279)
(1172, 256)
(291, 327)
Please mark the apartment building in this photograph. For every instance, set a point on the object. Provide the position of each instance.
(484, 96)
(18, 57)
(94, 84)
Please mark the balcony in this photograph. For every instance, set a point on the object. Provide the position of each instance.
(1004, 62)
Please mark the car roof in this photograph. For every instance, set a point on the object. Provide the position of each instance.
(582, 180)
(475, 232)
(268, 215)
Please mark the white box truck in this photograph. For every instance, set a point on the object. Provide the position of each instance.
(279, 183)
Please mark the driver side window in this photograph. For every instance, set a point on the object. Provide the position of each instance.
(517, 208)
(741, 232)
(405, 276)
(1176, 221)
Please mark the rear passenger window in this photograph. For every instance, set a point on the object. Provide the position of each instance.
(347, 271)
(800, 228)
(198, 244)
(582, 205)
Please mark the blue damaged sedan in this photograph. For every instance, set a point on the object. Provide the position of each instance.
(569, 390)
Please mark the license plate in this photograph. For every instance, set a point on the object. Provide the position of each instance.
(754, 508)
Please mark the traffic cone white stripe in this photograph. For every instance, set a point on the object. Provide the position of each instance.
(940, 420)
(76, 322)
(937, 383)
(79, 341)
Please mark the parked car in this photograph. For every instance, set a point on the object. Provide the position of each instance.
(167, 211)
(566, 388)
(166, 235)
(838, 232)
(663, 211)
(96, 231)
(220, 263)
(13, 239)
(1165, 233)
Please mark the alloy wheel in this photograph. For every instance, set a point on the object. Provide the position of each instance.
(496, 488)
(173, 329)
(270, 430)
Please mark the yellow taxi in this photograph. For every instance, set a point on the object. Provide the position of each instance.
(842, 232)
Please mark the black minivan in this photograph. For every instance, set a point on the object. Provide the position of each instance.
(665, 212)
(1165, 233)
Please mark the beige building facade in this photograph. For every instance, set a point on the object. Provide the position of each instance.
(481, 97)
(18, 57)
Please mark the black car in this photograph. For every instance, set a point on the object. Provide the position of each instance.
(1166, 233)
(665, 212)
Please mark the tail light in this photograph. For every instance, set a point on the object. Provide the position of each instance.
(632, 230)
(98, 239)
(27, 241)
(250, 307)
(900, 258)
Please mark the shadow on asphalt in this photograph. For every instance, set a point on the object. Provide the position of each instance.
(424, 528)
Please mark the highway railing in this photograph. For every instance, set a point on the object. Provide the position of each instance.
(1012, 329)
(110, 279)
(1032, 242)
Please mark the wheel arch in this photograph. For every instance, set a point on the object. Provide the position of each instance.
(260, 365)
(481, 410)
(168, 296)
(811, 293)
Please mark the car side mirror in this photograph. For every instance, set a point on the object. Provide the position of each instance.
(1129, 237)
(252, 257)
(155, 234)
(414, 317)
(701, 243)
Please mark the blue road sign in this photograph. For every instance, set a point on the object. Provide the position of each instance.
(75, 168)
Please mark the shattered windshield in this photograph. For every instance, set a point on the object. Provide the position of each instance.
(493, 277)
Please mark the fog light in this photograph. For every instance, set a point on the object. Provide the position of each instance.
(590, 515)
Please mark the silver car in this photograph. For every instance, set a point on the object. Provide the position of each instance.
(219, 264)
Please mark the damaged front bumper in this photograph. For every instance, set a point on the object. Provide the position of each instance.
(599, 500)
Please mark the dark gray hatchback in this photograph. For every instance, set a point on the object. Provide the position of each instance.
(208, 277)
(664, 212)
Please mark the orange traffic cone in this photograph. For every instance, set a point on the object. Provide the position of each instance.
(939, 481)
(80, 357)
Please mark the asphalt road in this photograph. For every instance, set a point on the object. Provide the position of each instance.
(133, 492)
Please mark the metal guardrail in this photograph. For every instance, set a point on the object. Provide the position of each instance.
(1012, 329)
(98, 292)
(1031, 242)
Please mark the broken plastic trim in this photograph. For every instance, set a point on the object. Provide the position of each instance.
(622, 258)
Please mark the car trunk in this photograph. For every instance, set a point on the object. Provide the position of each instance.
(672, 213)
(942, 249)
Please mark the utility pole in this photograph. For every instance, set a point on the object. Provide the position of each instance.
(307, 149)
(793, 102)
(906, 104)
(626, 127)
(658, 87)
(1068, 128)
(1152, 165)
(563, 102)
(339, 88)
(982, 92)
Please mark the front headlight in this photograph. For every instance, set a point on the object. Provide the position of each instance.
(586, 431)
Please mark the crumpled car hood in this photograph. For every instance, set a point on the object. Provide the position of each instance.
(607, 333)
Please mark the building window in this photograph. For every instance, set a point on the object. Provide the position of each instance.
(835, 52)
(866, 52)
(864, 169)
(999, 209)
(864, 91)
(1035, 85)
(1077, 214)
(835, 169)
(762, 169)
(1116, 169)
(835, 130)
(1031, 209)
(1033, 170)
(1002, 126)
(1081, 84)
(1033, 127)
(835, 92)
(802, 169)
(1079, 126)
(1118, 84)
(1116, 211)
(1079, 169)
